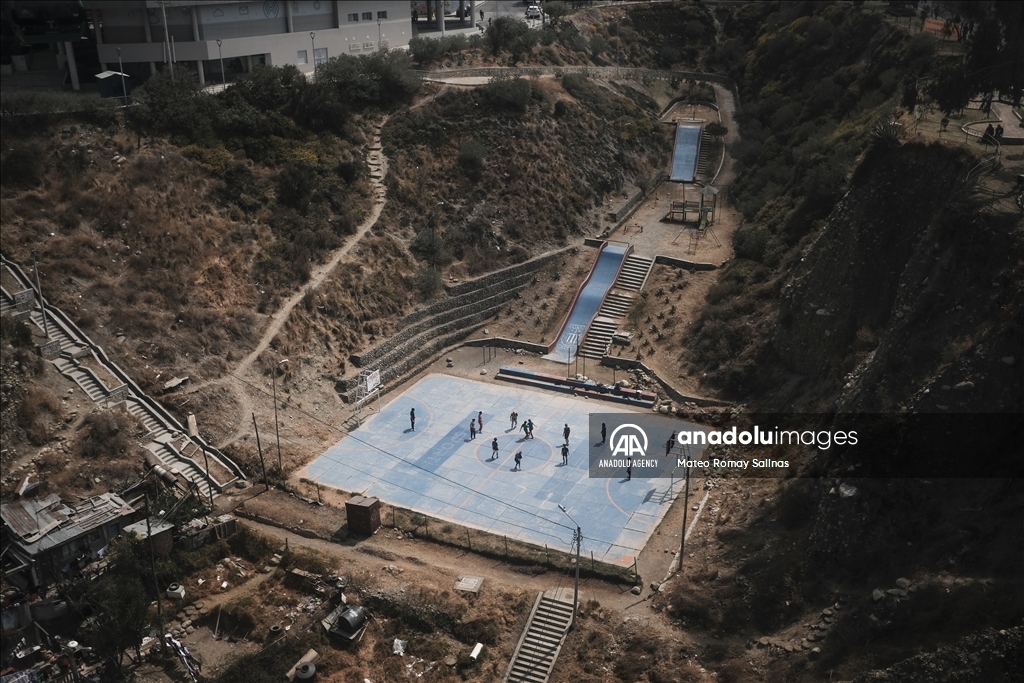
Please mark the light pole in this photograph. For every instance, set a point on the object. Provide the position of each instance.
(577, 538)
(223, 77)
(312, 40)
(120, 67)
(686, 508)
(277, 432)
(378, 34)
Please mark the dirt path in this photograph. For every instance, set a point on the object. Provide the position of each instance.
(320, 274)
(427, 564)
(378, 164)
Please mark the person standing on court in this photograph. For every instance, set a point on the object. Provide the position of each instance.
(472, 430)
(565, 433)
(565, 454)
(513, 418)
(629, 469)
(412, 419)
(604, 433)
(480, 422)
(494, 448)
(519, 460)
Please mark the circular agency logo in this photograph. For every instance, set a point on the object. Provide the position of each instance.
(631, 443)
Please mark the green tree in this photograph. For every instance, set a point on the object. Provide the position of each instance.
(118, 601)
(503, 31)
(716, 129)
(556, 10)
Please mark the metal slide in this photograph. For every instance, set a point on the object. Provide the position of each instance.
(588, 301)
(685, 153)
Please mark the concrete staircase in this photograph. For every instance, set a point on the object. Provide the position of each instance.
(634, 273)
(702, 155)
(165, 437)
(541, 642)
(615, 307)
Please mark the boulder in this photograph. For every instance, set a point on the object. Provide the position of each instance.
(877, 595)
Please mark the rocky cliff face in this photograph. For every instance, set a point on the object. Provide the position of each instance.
(910, 298)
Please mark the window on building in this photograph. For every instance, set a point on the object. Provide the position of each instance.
(354, 16)
(367, 16)
(320, 55)
(382, 15)
(300, 57)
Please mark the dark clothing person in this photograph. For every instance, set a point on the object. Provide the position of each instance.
(412, 419)
(604, 433)
(565, 455)
(999, 132)
(472, 429)
(565, 433)
(494, 447)
(519, 460)
(514, 418)
(629, 469)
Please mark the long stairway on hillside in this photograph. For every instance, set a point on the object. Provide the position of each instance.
(632, 278)
(541, 641)
(69, 349)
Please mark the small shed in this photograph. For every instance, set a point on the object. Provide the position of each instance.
(114, 84)
(363, 515)
(161, 531)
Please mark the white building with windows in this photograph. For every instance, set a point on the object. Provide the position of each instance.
(207, 37)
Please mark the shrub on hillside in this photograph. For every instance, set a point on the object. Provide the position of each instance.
(471, 158)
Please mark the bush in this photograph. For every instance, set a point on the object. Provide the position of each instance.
(16, 332)
(295, 184)
(471, 158)
(508, 90)
(21, 167)
(428, 282)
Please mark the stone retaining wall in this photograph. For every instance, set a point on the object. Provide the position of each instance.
(672, 392)
(683, 263)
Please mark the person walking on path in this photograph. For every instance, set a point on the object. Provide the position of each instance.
(529, 429)
(629, 469)
(565, 454)
(604, 433)
(519, 460)
(494, 448)
(480, 421)
(412, 419)
(668, 444)
(514, 418)
(526, 429)
(472, 430)
(565, 433)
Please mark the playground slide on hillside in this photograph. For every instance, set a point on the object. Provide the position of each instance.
(685, 153)
(588, 300)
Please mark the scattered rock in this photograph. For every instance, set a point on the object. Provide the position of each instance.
(636, 590)
(964, 386)
(763, 641)
(877, 595)
(814, 653)
(903, 583)
(847, 491)
(1008, 360)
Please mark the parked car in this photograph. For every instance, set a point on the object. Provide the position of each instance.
(533, 12)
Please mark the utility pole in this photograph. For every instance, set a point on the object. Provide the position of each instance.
(686, 508)
(152, 567)
(259, 448)
(577, 538)
(39, 290)
(277, 431)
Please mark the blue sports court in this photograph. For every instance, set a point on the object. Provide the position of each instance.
(439, 471)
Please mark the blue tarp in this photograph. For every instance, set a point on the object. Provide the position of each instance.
(684, 155)
(605, 272)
